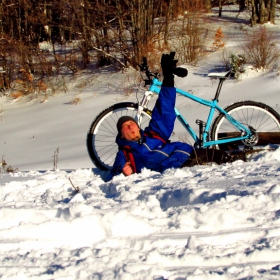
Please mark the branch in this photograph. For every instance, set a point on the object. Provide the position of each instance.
(102, 51)
(77, 189)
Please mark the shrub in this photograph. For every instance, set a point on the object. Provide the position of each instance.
(26, 84)
(75, 101)
(5, 168)
(218, 39)
(236, 61)
(261, 49)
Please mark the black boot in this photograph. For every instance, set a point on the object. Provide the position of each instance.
(238, 155)
(205, 156)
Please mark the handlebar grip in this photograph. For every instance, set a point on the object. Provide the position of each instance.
(180, 72)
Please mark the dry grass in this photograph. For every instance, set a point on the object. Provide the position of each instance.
(75, 101)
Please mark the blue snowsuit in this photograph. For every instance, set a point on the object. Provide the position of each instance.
(151, 152)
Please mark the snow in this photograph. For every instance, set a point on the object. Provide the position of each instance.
(203, 222)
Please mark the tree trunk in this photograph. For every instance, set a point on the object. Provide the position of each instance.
(242, 5)
(121, 34)
(271, 16)
(1, 19)
(142, 22)
(263, 11)
(85, 44)
(254, 15)
(168, 17)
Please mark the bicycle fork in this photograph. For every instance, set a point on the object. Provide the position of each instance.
(143, 104)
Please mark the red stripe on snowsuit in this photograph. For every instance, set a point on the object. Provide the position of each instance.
(153, 134)
(128, 154)
(129, 157)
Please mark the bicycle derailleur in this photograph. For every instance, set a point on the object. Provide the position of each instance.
(252, 140)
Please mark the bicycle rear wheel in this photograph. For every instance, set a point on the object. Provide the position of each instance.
(261, 117)
(101, 137)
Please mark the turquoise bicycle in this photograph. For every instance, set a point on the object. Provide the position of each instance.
(241, 126)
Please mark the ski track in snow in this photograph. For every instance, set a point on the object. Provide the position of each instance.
(205, 222)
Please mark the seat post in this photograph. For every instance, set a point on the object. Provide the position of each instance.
(222, 78)
(218, 91)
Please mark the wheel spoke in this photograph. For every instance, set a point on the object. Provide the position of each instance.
(101, 143)
(249, 113)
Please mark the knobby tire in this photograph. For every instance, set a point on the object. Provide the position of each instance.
(264, 119)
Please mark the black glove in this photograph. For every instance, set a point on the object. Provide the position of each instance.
(168, 65)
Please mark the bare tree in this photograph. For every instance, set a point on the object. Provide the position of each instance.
(141, 13)
(221, 4)
(1, 18)
(191, 33)
(242, 5)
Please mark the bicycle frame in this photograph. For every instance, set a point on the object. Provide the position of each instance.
(213, 105)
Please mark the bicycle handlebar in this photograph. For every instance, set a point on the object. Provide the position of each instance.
(145, 68)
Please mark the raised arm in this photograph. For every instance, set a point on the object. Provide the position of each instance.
(163, 115)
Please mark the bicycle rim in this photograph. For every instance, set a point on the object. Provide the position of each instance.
(264, 119)
(101, 137)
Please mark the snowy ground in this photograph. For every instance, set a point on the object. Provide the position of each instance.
(205, 222)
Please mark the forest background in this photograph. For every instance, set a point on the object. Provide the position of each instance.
(94, 33)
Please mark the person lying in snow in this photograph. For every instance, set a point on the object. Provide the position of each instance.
(151, 148)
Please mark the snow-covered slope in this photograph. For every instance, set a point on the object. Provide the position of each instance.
(204, 222)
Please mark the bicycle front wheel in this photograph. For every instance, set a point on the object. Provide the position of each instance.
(262, 118)
(101, 137)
